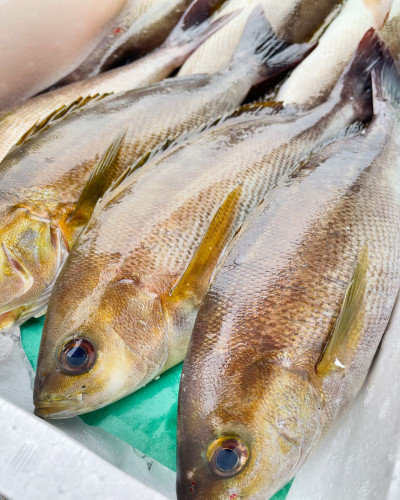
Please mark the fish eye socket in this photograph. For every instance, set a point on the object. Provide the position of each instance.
(76, 357)
(227, 456)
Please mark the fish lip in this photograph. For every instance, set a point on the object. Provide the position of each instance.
(62, 408)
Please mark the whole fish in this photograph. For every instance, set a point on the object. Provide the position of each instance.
(41, 180)
(293, 20)
(45, 40)
(290, 325)
(141, 27)
(154, 67)
(124, 305)
(335, 48)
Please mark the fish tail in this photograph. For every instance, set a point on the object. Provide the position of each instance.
(386, 84)
(194, 27)
(355, 82)
(272, 54)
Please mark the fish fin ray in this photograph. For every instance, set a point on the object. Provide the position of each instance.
(194, 27)
(386, 84)
(97, 184)
(273, 55)
(346, 328)
(252, 110)
(194, 280)
(54, 116)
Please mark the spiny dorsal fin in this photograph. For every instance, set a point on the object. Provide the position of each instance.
(194, 281)
(248, 111)
(61, 112)
(345, 334)
(100, 178)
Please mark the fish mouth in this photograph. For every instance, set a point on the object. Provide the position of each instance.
(63, 408)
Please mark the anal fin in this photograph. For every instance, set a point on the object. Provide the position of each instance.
(345, 334)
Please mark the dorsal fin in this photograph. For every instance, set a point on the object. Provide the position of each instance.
(248, 111)
(194, 281)
(345, 333)
(57, 114)
(97, 184)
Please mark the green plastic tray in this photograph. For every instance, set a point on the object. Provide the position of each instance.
(146, 419)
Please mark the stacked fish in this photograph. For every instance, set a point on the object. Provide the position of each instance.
(156, 221)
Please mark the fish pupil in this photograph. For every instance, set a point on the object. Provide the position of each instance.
(76, 356)
(227, 459)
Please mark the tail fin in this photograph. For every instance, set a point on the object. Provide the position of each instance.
(355, 82)
(386, 84)
(273, 55)
(194, 27)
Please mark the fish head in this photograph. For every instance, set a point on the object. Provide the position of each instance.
(251, 441)
(97, 351)
(31, 254)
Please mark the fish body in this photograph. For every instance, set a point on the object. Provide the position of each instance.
(289, 327)
(334, 50)
(44, 43)
(154, 67)
(294, 21)
(47, 172)
(134, 281)
(141, 27)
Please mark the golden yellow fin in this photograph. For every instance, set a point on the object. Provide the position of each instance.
(194, 281)
(55, 115)
(100, 179)
(345, 333)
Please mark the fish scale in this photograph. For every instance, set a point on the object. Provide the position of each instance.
(267, 333)
(171, 203)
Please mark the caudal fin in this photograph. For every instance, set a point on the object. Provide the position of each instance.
(271, 54)
(386, 84)
(355, 82)
(194, 27)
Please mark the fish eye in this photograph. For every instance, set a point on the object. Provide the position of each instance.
(76, 357)
(227, 456)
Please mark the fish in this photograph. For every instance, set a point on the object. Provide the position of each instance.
(46, 108)
(42, 179)
(297, 308)
(42, 44)
(128, 294)
(334, 50)
(141, 27)
(295, 21)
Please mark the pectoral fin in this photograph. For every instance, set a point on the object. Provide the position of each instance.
(100, 179)
(194, 281)
(345, 334)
